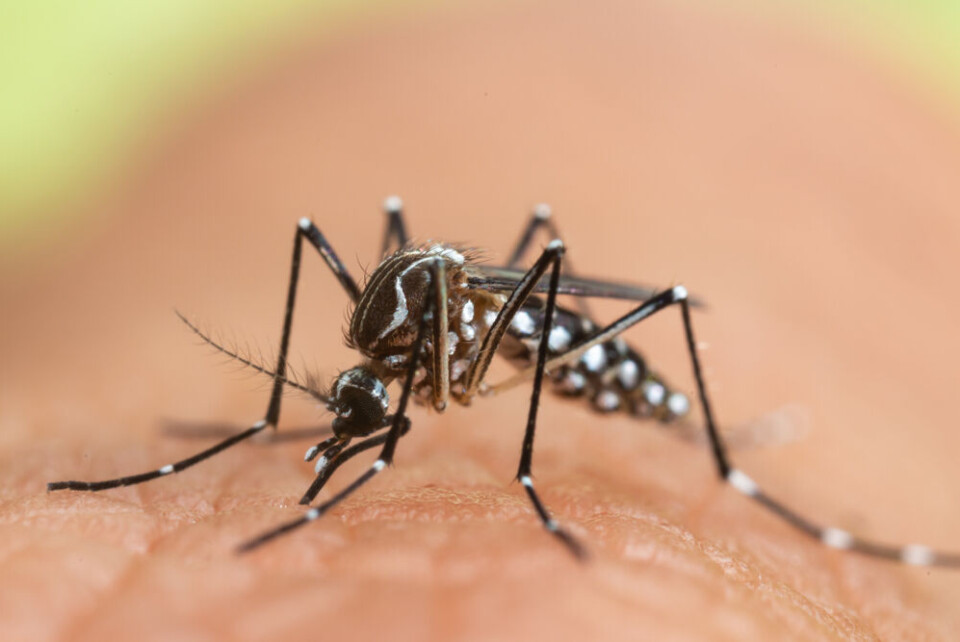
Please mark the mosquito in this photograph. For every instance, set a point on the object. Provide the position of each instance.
(431, 317)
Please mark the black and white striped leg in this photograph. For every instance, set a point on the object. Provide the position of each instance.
(305, 229)
(397, 429)
(335, 460)
(163, 470)
(525, 471)
(914, 554)
(395, 236)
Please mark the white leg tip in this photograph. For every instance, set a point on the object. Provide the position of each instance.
(555, 244)
(392, 204)
(311, 453)
(379, 465)
(320, 465)
(542, 211)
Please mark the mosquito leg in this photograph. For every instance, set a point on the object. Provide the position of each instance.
(389, 443)
(441, 340)
(832, 537)
(323, 446)
(542, 218)
(525, 472)
(333, 462)
(395, 236)
(305, 229)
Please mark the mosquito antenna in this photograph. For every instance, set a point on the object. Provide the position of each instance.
(307, 388)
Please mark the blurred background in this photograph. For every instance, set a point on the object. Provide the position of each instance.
(89, 88)
(793, 163)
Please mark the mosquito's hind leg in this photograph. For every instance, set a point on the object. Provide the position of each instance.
(832, 537)
(305, 229)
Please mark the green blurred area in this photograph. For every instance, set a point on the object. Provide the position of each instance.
(84, 84)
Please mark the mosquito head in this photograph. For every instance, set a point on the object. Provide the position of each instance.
(360, 400)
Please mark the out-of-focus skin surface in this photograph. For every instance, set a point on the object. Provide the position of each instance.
(806, 195)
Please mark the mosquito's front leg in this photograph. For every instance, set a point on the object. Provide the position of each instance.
(305, 229)
(398, 427)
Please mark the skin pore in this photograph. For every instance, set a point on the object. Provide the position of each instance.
(776, 190)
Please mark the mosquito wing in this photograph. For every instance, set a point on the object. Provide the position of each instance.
(504, 279)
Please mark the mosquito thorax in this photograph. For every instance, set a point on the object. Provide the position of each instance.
(388, 314)
(360, 401)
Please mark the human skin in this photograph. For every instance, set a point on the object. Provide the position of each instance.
(806, 195)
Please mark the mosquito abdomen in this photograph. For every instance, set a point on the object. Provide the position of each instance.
(611, 375)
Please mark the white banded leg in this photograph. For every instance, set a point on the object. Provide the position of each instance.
(838, 538)
(163, 471)
(305, 230)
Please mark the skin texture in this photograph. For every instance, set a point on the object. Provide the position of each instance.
(808, 196)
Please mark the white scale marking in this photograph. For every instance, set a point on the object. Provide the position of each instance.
(166, 470)
(559, 339)
(607, 400)
(312, 514)
(680, 293)
(320, 465)
(552, 526)
(379, 465)
(526, 481)
(917, 555)
(836, 538)
(311, 453)
(523, 323)
(654, 393)
(678, 403)
(595, 359)
(305, 224)
(628, 374)
(742, 482)
(466, 313)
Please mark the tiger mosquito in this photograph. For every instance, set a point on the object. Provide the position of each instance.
(432, 317)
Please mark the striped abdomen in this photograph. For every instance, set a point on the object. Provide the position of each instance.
(611, 375)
